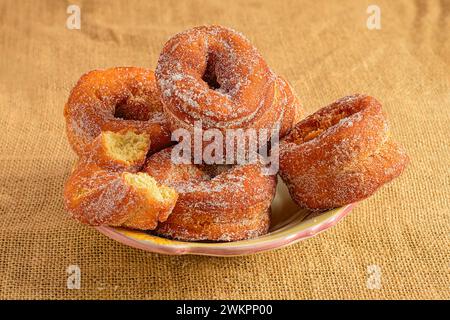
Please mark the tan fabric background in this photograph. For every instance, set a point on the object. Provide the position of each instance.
(326, 51)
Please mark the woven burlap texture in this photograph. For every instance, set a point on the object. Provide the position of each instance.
(326, 51)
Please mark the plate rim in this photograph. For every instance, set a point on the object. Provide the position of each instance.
(270, 241)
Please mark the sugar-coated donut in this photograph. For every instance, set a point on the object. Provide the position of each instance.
(215, 75)
(217, 203)
(96, 196)
(113, 100)
(340, 154)
(106, 189)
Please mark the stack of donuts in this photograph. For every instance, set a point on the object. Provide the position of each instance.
(121, 121)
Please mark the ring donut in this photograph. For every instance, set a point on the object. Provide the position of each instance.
(341, 154)
(217, 203)
(215, 75)
(115, 99)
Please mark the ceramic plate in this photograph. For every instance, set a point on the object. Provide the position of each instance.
(290, 224)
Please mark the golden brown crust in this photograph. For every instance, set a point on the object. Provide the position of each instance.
(232, 205)
(96, 196)
(340, 154)
(231, 231)
(113, 100)
(214, 75)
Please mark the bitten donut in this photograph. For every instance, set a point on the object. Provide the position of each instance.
(214, 75)
(113, 100)
(116, 151)
(341, 154)
(105, 189)
(217, 203)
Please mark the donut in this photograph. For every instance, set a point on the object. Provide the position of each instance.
(215, 75)
(113, 100)
(106, 189)
(215, 203)
(340, 154)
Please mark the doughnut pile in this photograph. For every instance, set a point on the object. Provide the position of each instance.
(121, 121)
(214, 203)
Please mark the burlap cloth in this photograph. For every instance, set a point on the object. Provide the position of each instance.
(326, 51)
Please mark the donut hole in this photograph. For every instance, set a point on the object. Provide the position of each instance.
(128, 146)
(210, 74)
(148, 185)
(211, 81)
(133, 108)
(212, 171)
(316, 126)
